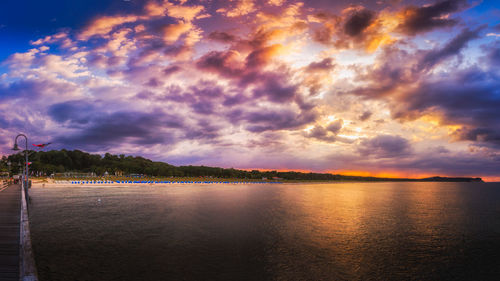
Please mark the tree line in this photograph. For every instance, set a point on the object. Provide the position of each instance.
(60, 161)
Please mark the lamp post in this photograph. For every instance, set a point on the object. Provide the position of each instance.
(16, 148)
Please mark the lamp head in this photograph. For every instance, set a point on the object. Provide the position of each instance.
(16, 147)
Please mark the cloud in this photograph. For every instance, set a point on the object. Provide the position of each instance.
(107, 130)
(187, 13)
(172, 32)
(224, 63)
(276, 2)
(385, 146)
(426, 18)
(267, 83)
(273, 120)
(275, 89)
(335, 126)
(171, 70)
(261, 56)
(320, 133)
(221, 36)
(396, 68)
(61, 37)
(356, 28)
(484, 135)
(492, 57)
(326, 64)
(242, 7)
(76, 112)
(468, 99)
(358, 22)
(365, 116)
(328, 133)
(67, 67)
(104, 25)
(452, 164)
(31, 89)
(450, 49)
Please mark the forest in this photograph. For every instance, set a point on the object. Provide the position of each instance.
(60, 161)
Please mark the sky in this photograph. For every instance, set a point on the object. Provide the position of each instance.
(384, 88)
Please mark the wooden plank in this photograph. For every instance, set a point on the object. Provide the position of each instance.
(10, 209)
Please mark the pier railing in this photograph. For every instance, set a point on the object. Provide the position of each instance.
(27, 266)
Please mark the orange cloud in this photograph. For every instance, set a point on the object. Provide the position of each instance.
(187, 13)
(103, 25)
(172, 32)
(154, 10)
(276, 2)
(262, 56)
(243, 7)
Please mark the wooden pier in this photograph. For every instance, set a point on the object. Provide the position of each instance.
(10, 229)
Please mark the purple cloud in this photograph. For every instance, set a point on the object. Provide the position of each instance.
(426, 18)
(385, 146)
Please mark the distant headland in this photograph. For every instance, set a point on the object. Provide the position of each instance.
(73, 163)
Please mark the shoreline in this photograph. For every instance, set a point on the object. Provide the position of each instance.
(103, 183)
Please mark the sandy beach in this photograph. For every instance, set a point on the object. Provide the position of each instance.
(47, 183)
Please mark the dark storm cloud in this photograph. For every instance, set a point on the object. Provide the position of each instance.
(485, 135)
(385, 146)
(469, 98)
(426, 18)
(358, 22)
(124, 126)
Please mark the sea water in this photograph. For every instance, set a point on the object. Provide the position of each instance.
(334, 231)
